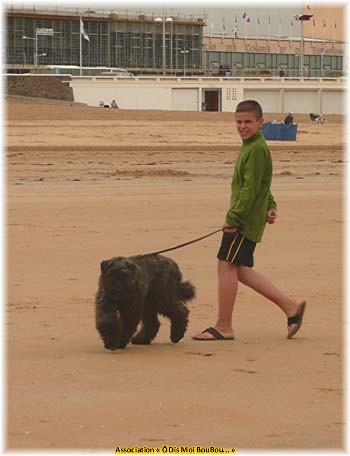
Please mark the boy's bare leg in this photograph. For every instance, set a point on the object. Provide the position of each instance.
(227, 292)
(260, 284)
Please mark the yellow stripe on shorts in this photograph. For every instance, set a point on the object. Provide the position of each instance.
(227, 258)
(239, 246)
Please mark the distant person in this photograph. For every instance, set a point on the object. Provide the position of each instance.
(289, 119)
(114, 104)
(282, 73)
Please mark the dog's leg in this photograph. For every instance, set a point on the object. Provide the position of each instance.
(129, 322)
(107, 324)
(149, 328)
(178, 315)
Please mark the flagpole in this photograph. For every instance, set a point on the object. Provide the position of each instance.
(279, 29)
(80, 47)
(323, 27)
(235, 29)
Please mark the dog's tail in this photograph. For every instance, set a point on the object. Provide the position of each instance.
(186, 291)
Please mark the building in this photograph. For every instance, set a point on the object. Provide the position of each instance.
(169, 45)
(133, 42)
(284, 73)
(320, 44)
(212, 93)
(278, 57)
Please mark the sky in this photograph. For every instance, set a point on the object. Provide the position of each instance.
(218, 17)
(266, 17)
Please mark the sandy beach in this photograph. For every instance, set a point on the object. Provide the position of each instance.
(85, 184)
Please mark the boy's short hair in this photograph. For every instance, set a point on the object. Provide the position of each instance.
(250, 106)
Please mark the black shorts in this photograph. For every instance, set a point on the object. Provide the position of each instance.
(236, 248)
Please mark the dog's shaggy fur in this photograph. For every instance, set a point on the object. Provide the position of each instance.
(137, 289)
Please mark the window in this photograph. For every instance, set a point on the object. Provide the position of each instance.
(315, 62)
(231, 94)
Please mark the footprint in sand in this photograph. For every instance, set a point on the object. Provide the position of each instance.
(331, 354)
(199, 353)
(330, 390)
(245, 371)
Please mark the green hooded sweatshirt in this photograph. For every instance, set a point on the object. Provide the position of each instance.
(251, 197)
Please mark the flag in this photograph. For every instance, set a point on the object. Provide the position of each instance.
(246, 17)
(258, 21)
(324, 23)
(235, 26)
(314, 23)
(335, 25)
(292, 23)
(269, 20)
(82, 31)
(223, 24)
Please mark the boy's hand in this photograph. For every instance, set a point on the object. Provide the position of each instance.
(271, 216)
(229, 228)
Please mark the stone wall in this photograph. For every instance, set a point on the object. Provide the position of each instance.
(42, 86)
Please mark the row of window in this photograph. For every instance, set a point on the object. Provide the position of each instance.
(141, 46)
(238, 60)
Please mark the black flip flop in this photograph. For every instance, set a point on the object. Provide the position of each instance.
(215, 333)
(296, 320)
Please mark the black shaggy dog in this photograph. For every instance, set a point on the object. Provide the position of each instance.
(137, 289)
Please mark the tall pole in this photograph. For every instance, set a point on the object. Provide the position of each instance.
(171, 47)
(80, 48)
(302, 18)
(36, 49)
(184, 52)
(163, 20)
(164, 66)
(302, 50)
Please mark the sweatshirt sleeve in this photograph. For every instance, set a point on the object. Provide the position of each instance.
(254, 167)
(271, 203)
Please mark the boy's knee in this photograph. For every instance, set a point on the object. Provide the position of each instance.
(242, 273)
(226, 266)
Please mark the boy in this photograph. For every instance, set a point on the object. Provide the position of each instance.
(252, 205)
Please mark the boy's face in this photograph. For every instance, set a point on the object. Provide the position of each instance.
(248, 124)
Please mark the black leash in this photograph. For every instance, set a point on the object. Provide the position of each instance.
(184, 244)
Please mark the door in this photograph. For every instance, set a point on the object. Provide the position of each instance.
(211, 100)
(184, 99)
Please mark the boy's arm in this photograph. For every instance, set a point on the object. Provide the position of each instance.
(253, 174)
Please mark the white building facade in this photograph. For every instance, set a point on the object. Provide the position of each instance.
(325, 96)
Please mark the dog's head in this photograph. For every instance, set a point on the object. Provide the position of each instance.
(118, 275)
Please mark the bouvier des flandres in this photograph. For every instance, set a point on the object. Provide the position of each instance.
(137, 289)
